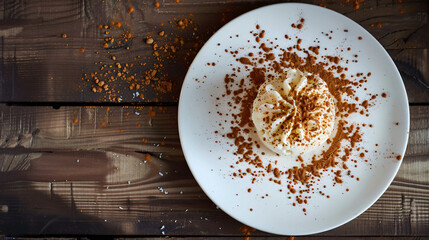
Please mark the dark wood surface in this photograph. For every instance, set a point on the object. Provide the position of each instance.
(82, 170)
(232, 238)
(38, 65)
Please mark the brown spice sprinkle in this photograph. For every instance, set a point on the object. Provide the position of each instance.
(149, 40)
(378, 25)
(298, 25)
(356, 4)
(276, 172)
(247, 231)
(140, 73)
(245, 60)
(340, 146)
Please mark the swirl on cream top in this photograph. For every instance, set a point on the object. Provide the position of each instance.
(295, 113)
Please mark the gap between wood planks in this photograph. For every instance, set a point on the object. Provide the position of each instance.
(58, 105)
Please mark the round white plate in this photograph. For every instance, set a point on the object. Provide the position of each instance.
(210, 161)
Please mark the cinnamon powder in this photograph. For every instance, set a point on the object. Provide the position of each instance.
(342, 88)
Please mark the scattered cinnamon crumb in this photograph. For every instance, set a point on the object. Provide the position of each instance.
(152, 114)
(130, 10)
(109, 78)
(356, 4)
(149, 40)
(246, 231)
(156, 4)
(276, 172)
(64, 35)
(245, 60)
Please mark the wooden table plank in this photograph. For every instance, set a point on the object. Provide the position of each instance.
(38, 65)
(82, 170)
(413, 66)
(241, 238)
(285, 238)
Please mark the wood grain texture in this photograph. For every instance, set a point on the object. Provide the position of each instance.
(120, 170)
(413, 67)
(83, 170)
(286, 238)
(37, 65)
(238, 238)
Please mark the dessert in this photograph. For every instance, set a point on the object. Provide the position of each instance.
(294, 113)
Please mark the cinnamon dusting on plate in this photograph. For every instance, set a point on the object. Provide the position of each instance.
(267, 62)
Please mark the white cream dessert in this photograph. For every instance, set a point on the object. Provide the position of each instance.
(295, 113)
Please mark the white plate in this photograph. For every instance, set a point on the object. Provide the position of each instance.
(210, 162)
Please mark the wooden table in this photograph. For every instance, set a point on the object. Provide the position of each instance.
(78, 163)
